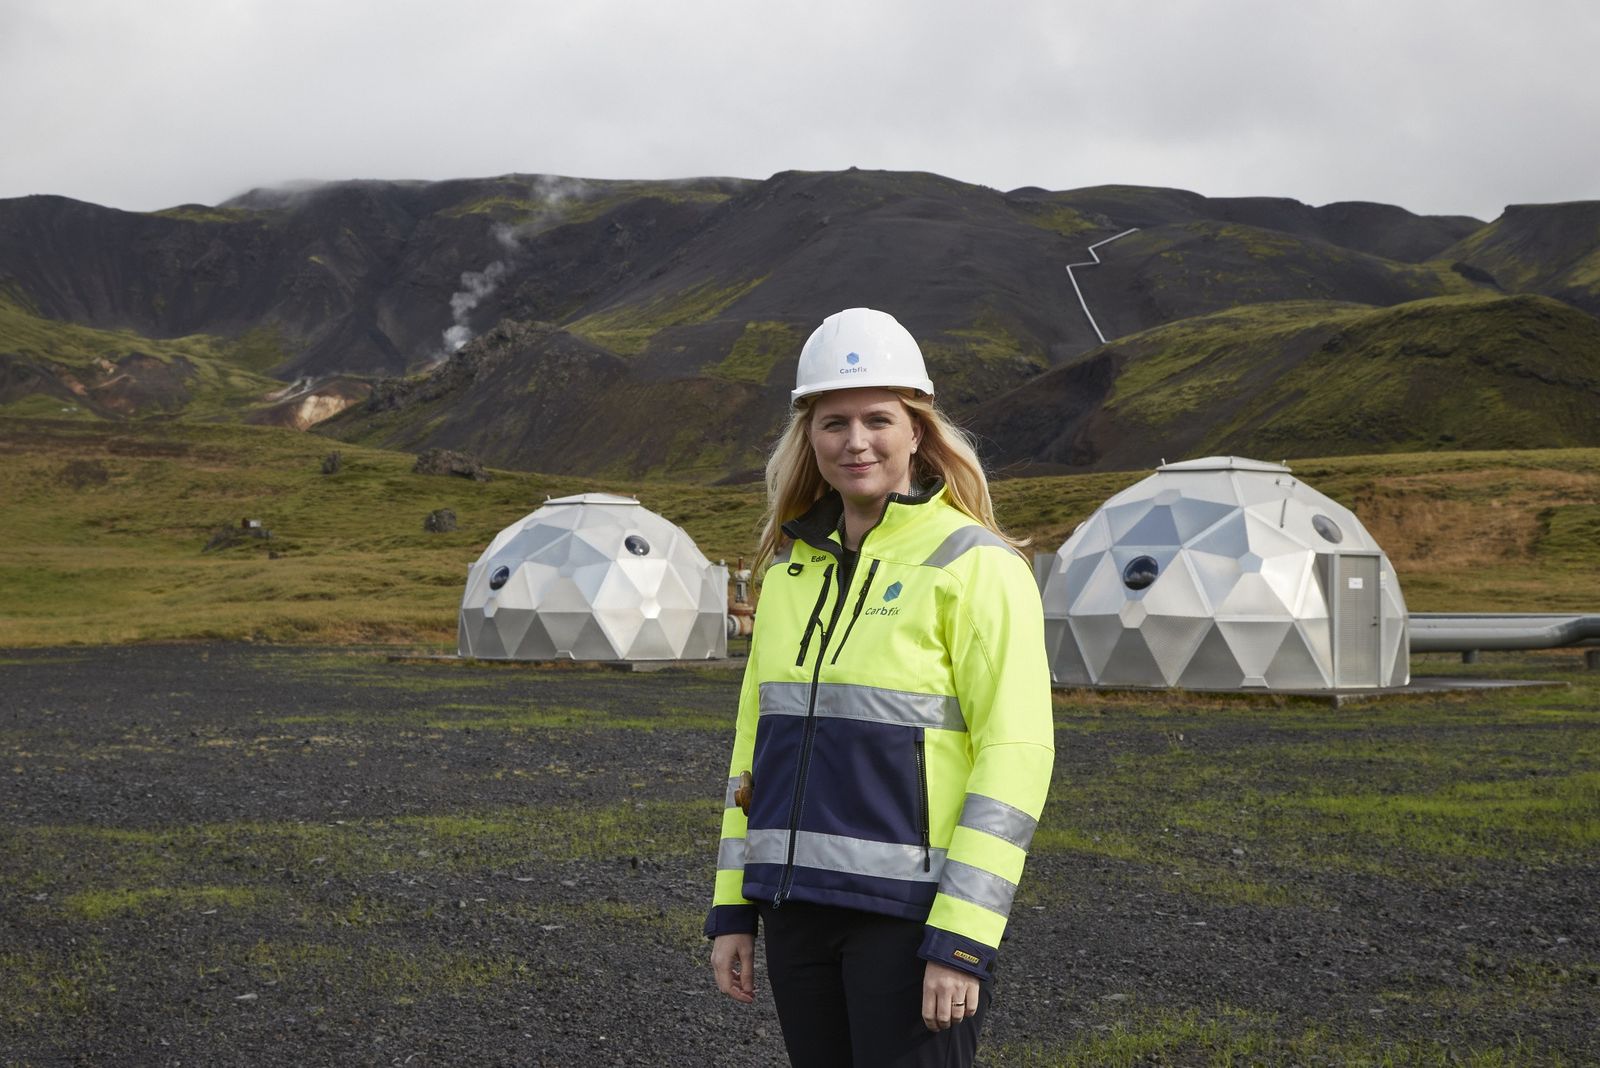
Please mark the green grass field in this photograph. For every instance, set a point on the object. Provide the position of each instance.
(104, 524)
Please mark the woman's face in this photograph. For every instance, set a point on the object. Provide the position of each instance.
(863, 440)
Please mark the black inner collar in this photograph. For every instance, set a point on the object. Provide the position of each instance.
(820, 524)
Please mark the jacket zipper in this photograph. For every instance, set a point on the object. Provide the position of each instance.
(922, 800)
(856, 613)
(816, 616)
(809, 735)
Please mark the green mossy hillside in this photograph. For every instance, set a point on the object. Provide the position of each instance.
(1548, 248)
(762, 348)
(1296, 378)
(59, 365)
(628, 328)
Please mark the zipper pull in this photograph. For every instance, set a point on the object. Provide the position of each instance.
(860, 601)
(927, 853)
(816, 616)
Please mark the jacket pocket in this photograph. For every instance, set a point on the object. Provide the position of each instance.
(922, 797)
(864, 782)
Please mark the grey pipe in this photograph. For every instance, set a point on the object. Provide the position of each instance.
(1444, 632)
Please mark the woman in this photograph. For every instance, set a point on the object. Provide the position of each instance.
(894, 721)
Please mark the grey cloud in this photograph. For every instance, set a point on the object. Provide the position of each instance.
(1437, 106)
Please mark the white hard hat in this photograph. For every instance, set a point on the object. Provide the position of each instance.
(858, 348)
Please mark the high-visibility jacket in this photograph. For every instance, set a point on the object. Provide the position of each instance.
(897, 728)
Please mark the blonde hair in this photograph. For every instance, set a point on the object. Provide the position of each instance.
(795, 483)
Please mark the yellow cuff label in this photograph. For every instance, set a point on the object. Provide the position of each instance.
(961, 954)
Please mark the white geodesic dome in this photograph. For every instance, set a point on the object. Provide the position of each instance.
(1224, 573)
(594, 577)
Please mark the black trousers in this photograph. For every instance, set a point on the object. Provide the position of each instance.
(848, 988)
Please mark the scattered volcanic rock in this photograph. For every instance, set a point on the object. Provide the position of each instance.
(450, 462)
(440, 521)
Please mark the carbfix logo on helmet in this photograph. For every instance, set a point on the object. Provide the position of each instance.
(853, 360)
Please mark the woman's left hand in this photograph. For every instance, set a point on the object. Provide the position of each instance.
(948, 996)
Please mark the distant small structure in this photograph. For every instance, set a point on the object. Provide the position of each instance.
(1224, 574)
(594, 576)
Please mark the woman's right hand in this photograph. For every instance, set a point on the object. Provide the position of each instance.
(733, 959)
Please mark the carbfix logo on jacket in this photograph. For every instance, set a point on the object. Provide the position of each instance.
(889, 594)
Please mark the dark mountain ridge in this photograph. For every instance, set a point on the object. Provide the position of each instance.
(575, 326)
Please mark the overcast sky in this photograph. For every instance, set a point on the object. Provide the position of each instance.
(1454, 107)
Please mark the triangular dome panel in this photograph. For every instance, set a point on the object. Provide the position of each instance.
(1176, 592)
(1156, 528)
(486, 643)
(512, 624)
(1192, 517)
(1097, 637)
(1173, 641)
(1212, 666)
(1217, 574)
(1121, 518)
(1066, 662)
(1254, 642)
(564, 596)
(1295, 667)
(536, 643)
(1092, 537)
(1065, 585)
(1252, 596)
(1266, 540)
(1229, 538)
(1131, 663)
(593, 643)
(1103, 594)
(1290, 576)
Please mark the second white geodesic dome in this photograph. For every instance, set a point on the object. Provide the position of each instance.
(1224, 573)
(594, 577)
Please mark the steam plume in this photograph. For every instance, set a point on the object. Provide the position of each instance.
(550, 193)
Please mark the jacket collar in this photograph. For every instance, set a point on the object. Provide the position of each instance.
(819, 526)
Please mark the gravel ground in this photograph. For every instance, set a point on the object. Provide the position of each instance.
(220, 854)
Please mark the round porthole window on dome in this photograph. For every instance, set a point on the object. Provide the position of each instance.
(498, 579)
(636, 545)
(1140, 572)
(1327, 528)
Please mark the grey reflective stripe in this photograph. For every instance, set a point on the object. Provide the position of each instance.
(730, 854)
(855, 856)
(842, 700)
(766, 847)
(782, 555)
(957, 544)
(999, 819)
(733, 784)
(982, 888)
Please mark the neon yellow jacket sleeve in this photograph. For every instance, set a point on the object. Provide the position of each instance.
(995, 639)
